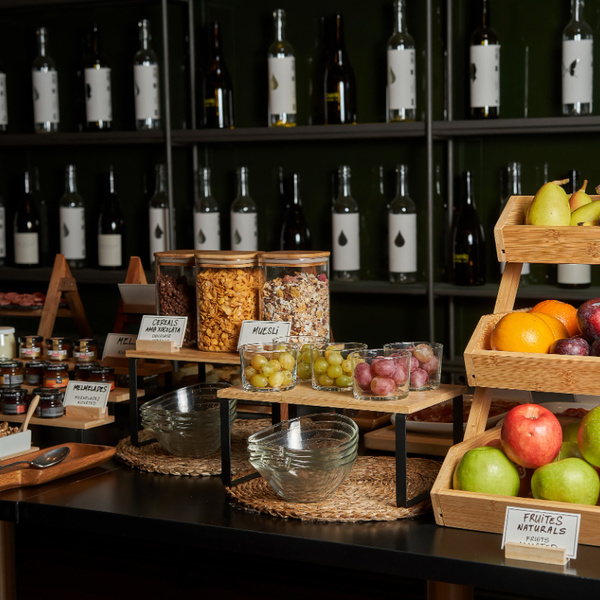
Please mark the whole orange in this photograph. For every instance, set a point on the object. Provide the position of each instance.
(563, 311)
(522, 332)
(559, 331)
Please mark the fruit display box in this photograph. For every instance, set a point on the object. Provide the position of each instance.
(519, 243)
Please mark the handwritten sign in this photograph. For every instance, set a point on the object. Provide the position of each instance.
(155, 328)
(118, 343)
(255, 332)
(542, 528)
(89, 394)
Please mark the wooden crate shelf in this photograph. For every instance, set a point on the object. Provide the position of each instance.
(66, 422)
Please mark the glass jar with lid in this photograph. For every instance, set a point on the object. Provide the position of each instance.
(103, 375)
(227, 294)
(295, 288)
(85, 350)
(34, 372)
(14, 401)
(82, 370)
(31, 347)
(176, 290)
(51, 404)
(56, 375)
(58, 349)
(8, 344)
(11, 373)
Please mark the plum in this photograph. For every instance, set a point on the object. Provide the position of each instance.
(588, 317)
(595, 348)
(363, 375)
(575, 346)
(383, 386)
(383, 366)
(418, 378)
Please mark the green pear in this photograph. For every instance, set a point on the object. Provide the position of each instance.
(550, 206)
(587, 214)
(579, 198)
(567, 480)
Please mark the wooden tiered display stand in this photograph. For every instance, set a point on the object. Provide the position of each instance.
(487, 369)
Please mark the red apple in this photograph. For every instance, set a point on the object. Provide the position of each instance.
(531, 435)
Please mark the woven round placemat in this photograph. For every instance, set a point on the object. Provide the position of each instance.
(367, 494)
(154, 459)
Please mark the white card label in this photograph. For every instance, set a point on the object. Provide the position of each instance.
(163, 329)
(257, 332)
(542, 528)
(117, 344)
(87, 393)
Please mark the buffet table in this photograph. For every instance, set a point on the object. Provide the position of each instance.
(116, 532)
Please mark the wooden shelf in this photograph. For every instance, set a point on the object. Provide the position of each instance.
(417, 443)
(66, 422)
(189, 355)
(119, 394)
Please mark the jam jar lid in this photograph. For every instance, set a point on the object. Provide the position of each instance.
(102, 370)
(87, 366)
(56, 340)
(16, 392)
(36, 364)
(45, 392)
(57, 367)
(11, 364)
(30, 338)
(86, 341)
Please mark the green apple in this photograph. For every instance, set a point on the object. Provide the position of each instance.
(569, 450)
(567, 480)
(570, 431)
(486, 469)
(588, 437)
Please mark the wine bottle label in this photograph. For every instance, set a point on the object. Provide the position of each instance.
(98, 100)
(402, 243)
(2, 232)
(207, 231)
(577, 71)
(401, 79)
(109, 250)
(346, 241)
(244, 231)
(485, 75)
(72, 232)
(282, 85)
(146, 89)
(574, 274)
(3, 105)
(45, 96)
(27, 248)
(159, 230)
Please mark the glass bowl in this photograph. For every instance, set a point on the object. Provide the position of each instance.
(332, 367)
(426, 363)
(305, 459)
(306, 353)
(268, 367)
(187, 422)
(379, 375)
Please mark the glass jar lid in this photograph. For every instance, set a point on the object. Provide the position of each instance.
(10, 364)
(102, 370)
(47, 392)
(31, 339)
(301, 257)
(57, 367)
(226, 258)
(175, 257)
(16, 393)
(4, 330)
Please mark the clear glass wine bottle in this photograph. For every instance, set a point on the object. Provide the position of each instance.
(146, 81)
(26, 228)
(218, 91)
(110, 229)
(243, 216)
(281, 67)
(345, 230)
(158, 213)
(44, 78)
(207, 215)
(72, 221)
(97, 80)
(295, 233)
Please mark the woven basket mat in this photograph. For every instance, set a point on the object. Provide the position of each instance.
(367, 494)
(154, 459)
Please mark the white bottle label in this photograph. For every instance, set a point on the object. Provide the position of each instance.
(146, 90)
(525, 269)
(401, 79)
(282, 85)
(3, 105)
(346, 241)
(207, 231)
(244, 231)
(2, 232)
(485, 75)
(45, 96)
(574, 274)
(72, 232)
(27, 248)
(159, 230)
(109, 250)
(577, 71)
(402, 243)
(98, 102)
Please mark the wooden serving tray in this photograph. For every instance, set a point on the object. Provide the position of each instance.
(80, 458)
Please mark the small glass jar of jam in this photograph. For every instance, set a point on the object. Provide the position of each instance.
(58, 349)
(11, 373)
(50, 404)
(31, 347)
(34, 372)
(82, 370)
(85, 350)
(103, 375)
(56, 375)
(14, 401)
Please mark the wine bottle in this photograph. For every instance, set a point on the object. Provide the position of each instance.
(402, 232)
(401, 70)
(281, 67)
(468, 241)
(484, 56)
(44, 78)
(72, 221)
(26, 229)
(146, 82)
(218, 91)
(207, 216)
(345, 223)
(340, 86)
(243, 216)
(98, 95)
(3, 101)
(158, 213)
(295, 233)
(2, 232)
(577, 63)
(110, 229)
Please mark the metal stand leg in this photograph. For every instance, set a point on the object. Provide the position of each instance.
(133, 403)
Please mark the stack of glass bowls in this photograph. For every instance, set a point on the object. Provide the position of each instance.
(187, 422)
(305, 459)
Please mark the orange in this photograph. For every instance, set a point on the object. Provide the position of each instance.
(522, 332)
(563, 311)
(559, 331)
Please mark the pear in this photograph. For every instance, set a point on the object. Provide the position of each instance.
(587, 214)
(579, 198)
(550, 206)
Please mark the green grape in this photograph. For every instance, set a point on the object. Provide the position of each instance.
(275, 364)
(250, 372)
(347, 366)
(267, 369)
(281, 347)
(276, 379)
(286, 360)
(306, 356)
(344, 381)
(288, 377)
(259, 381)
(325, 381)
(303, 370)
(258, 360)
(321, 365)
(334, 357)
(334, 371)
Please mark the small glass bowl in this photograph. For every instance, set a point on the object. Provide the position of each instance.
(426, 363)
(307, 351)
(268, 367)
(380, 376)
(332, 367)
